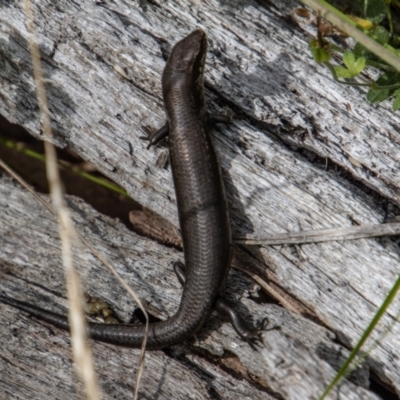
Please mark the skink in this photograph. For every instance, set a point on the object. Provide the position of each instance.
(202, 208)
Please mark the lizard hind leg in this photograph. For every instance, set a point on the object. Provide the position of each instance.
(224, 307)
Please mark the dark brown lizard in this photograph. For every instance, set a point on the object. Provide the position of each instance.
(202, 208)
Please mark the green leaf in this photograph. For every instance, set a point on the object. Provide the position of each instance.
(389, 78)
(396, 103)
(374, 10)
(348, 59)
(359, 65)
(376, 96)
(360, 51)
(354, 66)
(380, 34)
(343, 72)
(320, 54)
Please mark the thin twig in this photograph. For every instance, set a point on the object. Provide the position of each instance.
(325, 235)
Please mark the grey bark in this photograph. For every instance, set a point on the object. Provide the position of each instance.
(288, 112)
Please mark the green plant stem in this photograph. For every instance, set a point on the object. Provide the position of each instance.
(377, 87)
(379, 314)
(379, 65)
(99, 181)
(370, 85)
(41, 157)
(390, 19)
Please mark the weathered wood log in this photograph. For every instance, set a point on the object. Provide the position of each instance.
(290, 114)
(215, 363)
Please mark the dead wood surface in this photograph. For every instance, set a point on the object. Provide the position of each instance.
(298, 359)
(289, 114)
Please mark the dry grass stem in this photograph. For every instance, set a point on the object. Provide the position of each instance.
(325, 235)
(81, 349)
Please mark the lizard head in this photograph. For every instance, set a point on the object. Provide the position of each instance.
(189, 54)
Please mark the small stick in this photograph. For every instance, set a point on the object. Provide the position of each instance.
(325, 235)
